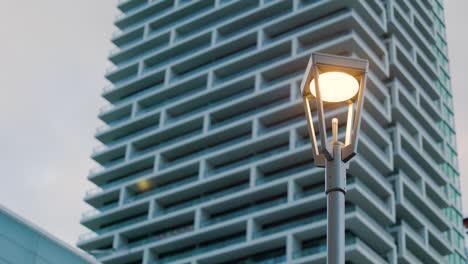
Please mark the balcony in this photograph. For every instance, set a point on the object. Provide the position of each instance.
(132, 51)
(162, 189)
(110, 228)
(94, 212)
(133, 86)
(159, 237)
(201, 199)
(137, 7)
(317, 246)
(142, 13)
(97, 190)
(126, 5)
(294, 221)
(127, 38)
(244, 211)
(172, 257)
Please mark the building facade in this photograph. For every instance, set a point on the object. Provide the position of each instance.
(205, 155)
(25, 243)
(465, 223)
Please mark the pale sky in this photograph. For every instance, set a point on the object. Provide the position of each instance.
(52, 62)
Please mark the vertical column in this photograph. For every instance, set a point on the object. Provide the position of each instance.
(261, 35)
(206, 122)
(211, 79)
(204, 169)
(134, 109)
(149, 257)
(425, 234)
(252, 229)
(118, 241)
(218, 3)
(198, 219)
(252, 178)
(258, 82)
(256, 127)
(146, 31)
(214, 37)
(151, 209)
(173, 36)
(257, 176)
(163, 118)
(122, 195)
(128, 151)
(167, 77)
(294, 46)
(141, 68)
(296, 4)
(295, 94)
(156, 208)
(292, 138)
(292, 246)
(158, 161)
(292, 190)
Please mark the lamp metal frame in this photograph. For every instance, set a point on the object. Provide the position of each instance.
(320, 63)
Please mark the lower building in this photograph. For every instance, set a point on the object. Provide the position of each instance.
(22, 242)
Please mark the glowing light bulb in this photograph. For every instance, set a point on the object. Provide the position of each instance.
(143, 185)
(336, 86)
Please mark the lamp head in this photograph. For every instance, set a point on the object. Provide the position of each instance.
(335, 80)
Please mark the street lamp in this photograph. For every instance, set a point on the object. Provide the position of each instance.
(331, 82)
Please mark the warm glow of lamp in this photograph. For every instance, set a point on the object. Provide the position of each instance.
(336, 86)
(143, 185)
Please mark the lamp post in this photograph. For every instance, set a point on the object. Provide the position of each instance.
(334, 81)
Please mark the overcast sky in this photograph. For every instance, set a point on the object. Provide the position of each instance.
(52, 61)
(457, 35)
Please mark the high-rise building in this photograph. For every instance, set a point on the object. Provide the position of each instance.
(206, 156)
(465, 223)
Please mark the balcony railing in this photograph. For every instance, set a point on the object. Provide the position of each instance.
(123, 1)
(87, 236)
(201, 250)
(295, 223)
(126, 46)
(275, 260)
(112, 125)
(131, 11)
(165, 235)
(111, 69)
(309, 192)
(161, 189)
(350, 240)
(202, 199)
(245, 211)
(108, 165)
(99, 148)
(90, 213)
(121, 32)
(107, 229)
(292, 224)
(117, 182)
(129, 246)
(108, 88)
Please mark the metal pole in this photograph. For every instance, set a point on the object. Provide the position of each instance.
(336, 190)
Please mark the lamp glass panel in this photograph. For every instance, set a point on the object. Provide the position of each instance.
(336, 86)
